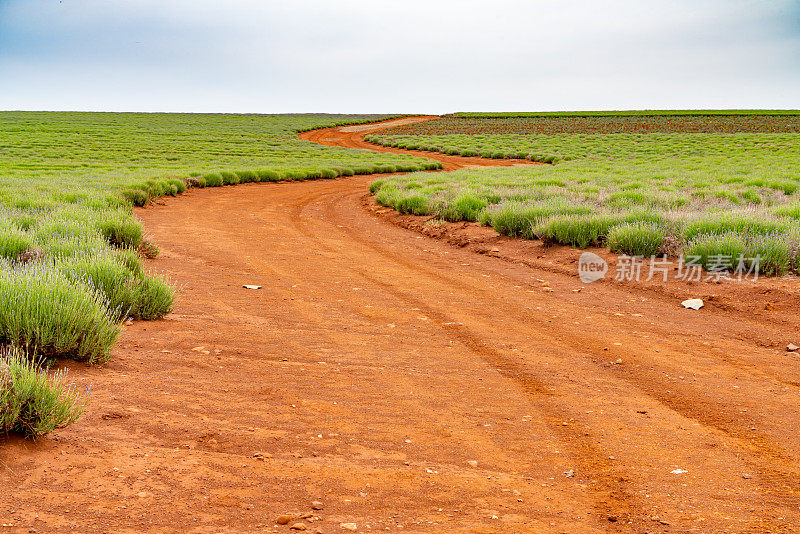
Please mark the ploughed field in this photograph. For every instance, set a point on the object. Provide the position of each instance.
(718, 188)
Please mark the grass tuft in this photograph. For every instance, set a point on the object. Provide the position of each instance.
(636, 239)
(31, 402)
(155, 298)
(213, 179)
(465, 207)
(45, 313)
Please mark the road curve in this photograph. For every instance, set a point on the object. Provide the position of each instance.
(410, 386)
(353, 137)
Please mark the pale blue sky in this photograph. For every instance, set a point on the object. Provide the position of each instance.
(416, 56)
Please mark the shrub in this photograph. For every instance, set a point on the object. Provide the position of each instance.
(119, 229)
(24, 220)
(348, 172)
(516, 219)
(213, 180)
(415, 204)
(127, 291)
(229, 178)
(247, 176)
(108, 276)
(408, 168)
(44, 313)
(13, 241)
(156, 189)
(578, 231)
(179, 185)
(773, 251)
(787, 186)
(137, 197)
(375, 186)
(387, 196)
(508, 219)
(196, 181)
(295, 175)
(751, 197)
(155, 298)
(719, 224)
(59, 246)
(792, 211)
(268, 176)
(730, 245)
(464, 207)
(328, 174)
(31, 402)
(130, 259)
(636, 239)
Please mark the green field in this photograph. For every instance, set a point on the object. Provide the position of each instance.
(623, 113)
(697, 194)
(47, 159)
(70, 248)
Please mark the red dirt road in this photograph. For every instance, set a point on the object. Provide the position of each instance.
(353, 137)
(414, 386)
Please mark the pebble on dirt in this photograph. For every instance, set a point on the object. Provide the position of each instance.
(349, 526)
(283, 519)
(316, 505)
(791, 347)
(693, 304)
(472, 463)
(298, 526)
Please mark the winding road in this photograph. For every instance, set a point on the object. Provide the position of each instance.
(410, 385)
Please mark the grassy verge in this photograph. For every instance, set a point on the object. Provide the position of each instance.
(700, 194)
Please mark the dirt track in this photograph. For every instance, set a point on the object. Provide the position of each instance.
(414, 386)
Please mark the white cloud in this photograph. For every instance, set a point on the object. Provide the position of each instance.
(414, 55)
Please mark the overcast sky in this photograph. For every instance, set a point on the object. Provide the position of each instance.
(414, 56)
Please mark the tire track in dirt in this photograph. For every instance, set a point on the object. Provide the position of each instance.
(778, 480)
(577, 343)
(611, 497)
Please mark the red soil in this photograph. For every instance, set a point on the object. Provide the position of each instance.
(464, 383)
